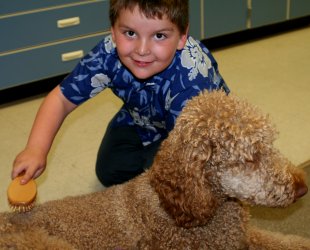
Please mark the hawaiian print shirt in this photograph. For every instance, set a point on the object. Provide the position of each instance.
(150, 105)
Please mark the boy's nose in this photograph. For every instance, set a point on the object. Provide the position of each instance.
(143, 48)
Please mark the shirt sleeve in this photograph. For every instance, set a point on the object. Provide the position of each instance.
(198, 71)
(217, 77)
(90, 76)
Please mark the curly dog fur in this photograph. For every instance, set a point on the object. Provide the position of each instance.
(218, 158)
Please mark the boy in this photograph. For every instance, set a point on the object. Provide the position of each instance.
(151, 63)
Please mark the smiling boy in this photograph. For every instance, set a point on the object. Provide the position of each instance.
(148, 61)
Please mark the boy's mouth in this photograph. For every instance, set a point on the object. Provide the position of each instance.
(141, 63)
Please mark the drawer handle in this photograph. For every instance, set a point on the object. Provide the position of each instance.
(72, 55)
(68, 22)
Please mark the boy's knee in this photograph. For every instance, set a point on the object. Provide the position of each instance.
(105, 177)
(109, 176)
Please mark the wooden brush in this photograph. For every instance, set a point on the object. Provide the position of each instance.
(22, 197)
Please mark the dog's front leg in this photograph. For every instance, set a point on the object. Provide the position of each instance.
(259, 239)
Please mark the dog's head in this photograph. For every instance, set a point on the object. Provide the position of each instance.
(221, 147)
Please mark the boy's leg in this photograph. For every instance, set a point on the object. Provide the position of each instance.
(122, 156)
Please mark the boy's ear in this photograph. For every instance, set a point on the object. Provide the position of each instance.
(183, 39)
(112, 34)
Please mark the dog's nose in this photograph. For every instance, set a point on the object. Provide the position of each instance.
(301, 190)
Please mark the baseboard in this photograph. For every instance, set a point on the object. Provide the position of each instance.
(305, 164)
(32, 89)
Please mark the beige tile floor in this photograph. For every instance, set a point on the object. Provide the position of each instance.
(272, 73)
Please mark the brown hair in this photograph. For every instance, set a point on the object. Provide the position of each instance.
(175, 10)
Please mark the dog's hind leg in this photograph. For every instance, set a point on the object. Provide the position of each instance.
(23, 236)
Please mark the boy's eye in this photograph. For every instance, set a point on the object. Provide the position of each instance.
(160, 36)
(130, 33)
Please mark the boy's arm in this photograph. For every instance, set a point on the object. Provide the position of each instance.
(51, 114)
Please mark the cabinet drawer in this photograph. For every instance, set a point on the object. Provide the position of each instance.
(40, 63)
(41, 27)
(13, 6)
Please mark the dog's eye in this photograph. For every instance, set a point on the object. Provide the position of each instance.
(253, 158)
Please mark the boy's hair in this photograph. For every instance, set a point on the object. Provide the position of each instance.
(175, 10)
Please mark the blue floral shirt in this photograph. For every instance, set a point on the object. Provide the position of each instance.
(151, 105)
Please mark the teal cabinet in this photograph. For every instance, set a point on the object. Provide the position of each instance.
(195, 17)
(264, 12)
(43, 61)
(213, 18)
(16, 6)
(299, 8)
(223, 16)
(43, 39)
(24, 30)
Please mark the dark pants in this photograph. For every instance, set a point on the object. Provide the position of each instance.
(122, 156)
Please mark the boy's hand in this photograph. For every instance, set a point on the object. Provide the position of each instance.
(30, 163)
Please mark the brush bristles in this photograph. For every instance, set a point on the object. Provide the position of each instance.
(21, 208)
(21, 198)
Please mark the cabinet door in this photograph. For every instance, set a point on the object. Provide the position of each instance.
(299, 8)
(224, 16)
(268, 12)
(195, 19)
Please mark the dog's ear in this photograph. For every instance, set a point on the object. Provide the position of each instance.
(180, 177)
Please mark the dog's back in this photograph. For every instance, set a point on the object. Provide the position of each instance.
(111, 218)
(126, 216)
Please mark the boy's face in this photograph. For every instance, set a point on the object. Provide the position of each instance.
(146, 46)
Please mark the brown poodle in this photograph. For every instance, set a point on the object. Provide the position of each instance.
(218, 157)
